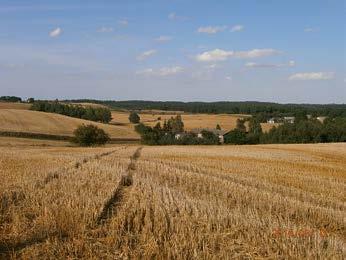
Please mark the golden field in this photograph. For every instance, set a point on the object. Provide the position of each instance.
(12, 105)
(48, 123)
(191, 121)
(195, 202)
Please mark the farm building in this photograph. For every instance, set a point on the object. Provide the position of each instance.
(289, 119)
(219, 133)
(271, 121)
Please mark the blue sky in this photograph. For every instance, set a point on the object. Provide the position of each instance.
(265, 50)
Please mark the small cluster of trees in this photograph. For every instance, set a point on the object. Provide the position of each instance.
(240, 136)
(134, 118)
(167, 134)
(10, 99)
(98, 114)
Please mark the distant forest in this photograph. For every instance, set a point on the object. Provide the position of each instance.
(263, 110)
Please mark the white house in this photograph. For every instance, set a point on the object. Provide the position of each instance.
(219, 133)
(289, 119)
(271, 121)
(321, 118)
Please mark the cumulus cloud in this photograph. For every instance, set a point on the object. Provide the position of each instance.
(105, 29)
(123, 22)
(211, 29)
(221, 55)
(55, 33)
(268, 65)
(214, 55)
(237, 28)
(162, 72)
(312, 76)
(163, 38)
(146, 54)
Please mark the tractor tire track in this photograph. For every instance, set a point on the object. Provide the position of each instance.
(120, 193)
(56, 174)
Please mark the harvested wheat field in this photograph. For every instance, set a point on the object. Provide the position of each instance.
(54, 124)
(12, 105)
(226, 121)
(196, 202)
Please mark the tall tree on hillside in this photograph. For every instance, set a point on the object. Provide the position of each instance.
(134, 118)
(255, 126)
(175, 124)
(241, 125)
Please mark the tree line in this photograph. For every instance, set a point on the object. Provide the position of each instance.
(264, 110)
(10, 99)
(303, 130)
(97, 114)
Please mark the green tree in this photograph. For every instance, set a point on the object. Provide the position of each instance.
(134, 118)
(241, 125)
(255, 126)
(235, 136)
(209, 137)
(89, 135)
(175, 124)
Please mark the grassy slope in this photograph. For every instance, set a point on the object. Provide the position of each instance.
(48, 123)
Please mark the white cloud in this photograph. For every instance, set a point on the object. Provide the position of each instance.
(268, 65)
(163, 38)
(211, 29)
(311, 29)
(146, 54)
(174, 16)
(211, 66)
(228, 77)
(312, 76)
(162, 72)
(55, 33)
(237, 28)
(214, 55)
(256, 53)
(123, 22)
(221, 55)
(105, 29)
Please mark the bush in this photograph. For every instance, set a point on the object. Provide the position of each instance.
(89, 135)
(134, 118)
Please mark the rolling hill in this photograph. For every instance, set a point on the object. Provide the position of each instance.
(13, 105)
(16, 120)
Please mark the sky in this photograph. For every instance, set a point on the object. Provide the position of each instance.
(187, 50)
